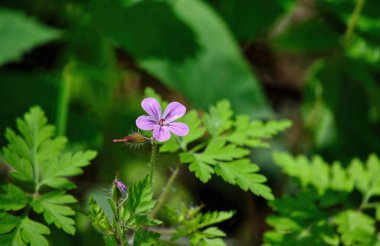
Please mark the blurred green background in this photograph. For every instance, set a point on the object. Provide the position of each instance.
(89, 62)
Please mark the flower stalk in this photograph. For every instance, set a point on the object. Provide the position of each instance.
(152, 161)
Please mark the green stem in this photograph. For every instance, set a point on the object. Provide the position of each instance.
(63, 103)
(165, 192)
(152, 162)
(353, 21)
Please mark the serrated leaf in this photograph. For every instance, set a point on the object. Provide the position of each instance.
(52, 205)
(194, 227)
(15, 26)
(8, 222)
(26, 232)
(218, 150)
(255, 133)
(244, 174)
(29, 152)
(16, 155)
(145, 238)
(210, 218)
(98, 218)
(36, 155)
(355, 228)
(202, 170)
(140, 201)
(365, 176)
(213, 232)
(33, 232)
(218, 119)
(67, 165)
(196, 131)
(305, 171)
(13, 199)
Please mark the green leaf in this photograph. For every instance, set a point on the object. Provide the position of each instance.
(140, 202)
(300, 221)
(218, 119)
(244, 174)
(210, 218)
(28, 153)
(216, 151)
(196, 132)
(202, 170)
(321, 37)
(254, 133)
(26, 232)
(305, 171)
(52, 205)
(365, 175)
(98, 218)
(218, 71)
(238, 15)
(8, 222)
(37, 157)
(14, 27)
(32, 232)
(356, 228)
(145, 238)
(195, 226)
(213, 232)
(13, 199)
(67, 165)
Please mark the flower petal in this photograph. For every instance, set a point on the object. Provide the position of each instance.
(179, 128)
(173, 111)
(146, 123)
(161, 133)
(152, 107)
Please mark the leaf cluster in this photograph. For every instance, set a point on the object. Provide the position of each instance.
(334, 207)
(40, 166)
(130, 214)
(199, 227)
(219, 144)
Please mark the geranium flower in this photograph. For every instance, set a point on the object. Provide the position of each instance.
(162, 124)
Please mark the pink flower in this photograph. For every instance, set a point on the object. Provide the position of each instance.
(162, 124)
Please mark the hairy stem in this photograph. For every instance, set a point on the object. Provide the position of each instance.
(353, 21)
(152, 162)
(165, 192)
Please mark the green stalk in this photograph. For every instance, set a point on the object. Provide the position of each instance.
(63, 102)
(165, 192)
(353, 21)
(152, 162)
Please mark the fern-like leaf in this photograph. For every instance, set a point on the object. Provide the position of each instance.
(53, 206)
(13, 198)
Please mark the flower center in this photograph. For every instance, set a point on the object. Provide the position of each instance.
(161, 122)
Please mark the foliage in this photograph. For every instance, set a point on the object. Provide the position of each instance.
(13, 45)
(198, 227)
(344, 38)
(130, 212)
(222, 146)
(334, 206)
(40, 167)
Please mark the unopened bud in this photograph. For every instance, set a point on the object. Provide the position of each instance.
(135, 137)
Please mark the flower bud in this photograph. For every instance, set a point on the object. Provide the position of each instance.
(135, 137)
